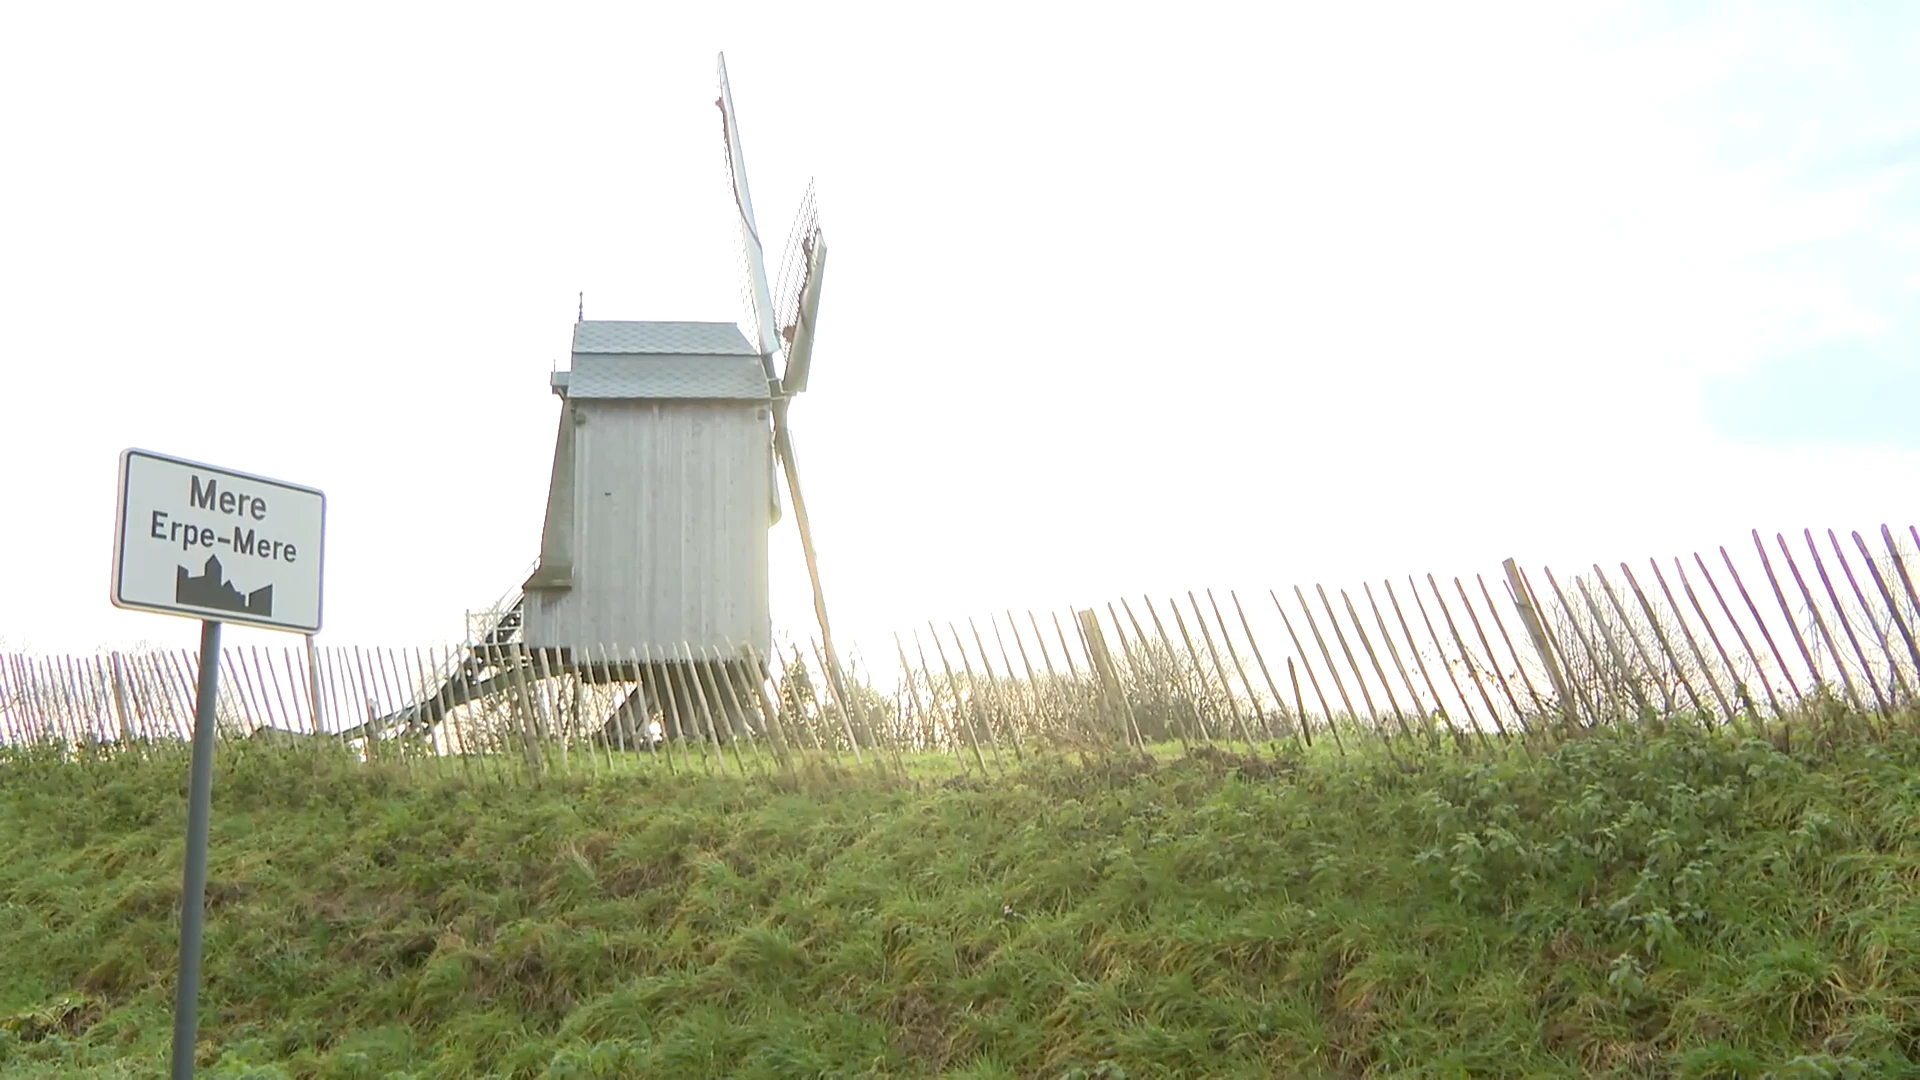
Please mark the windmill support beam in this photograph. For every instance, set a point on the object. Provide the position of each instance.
(783, 445)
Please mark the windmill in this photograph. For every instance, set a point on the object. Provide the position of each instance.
(653, 565)
(786, 331)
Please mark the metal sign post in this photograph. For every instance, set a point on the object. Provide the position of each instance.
(218, 546)
(193, 890)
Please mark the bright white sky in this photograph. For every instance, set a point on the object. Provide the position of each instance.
(1121, 299)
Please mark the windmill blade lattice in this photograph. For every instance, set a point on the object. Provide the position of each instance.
(795, 265)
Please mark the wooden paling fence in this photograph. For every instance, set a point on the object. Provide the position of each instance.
(1742, 636)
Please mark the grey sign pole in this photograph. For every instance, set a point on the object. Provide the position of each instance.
(175, 516)
(193, 898)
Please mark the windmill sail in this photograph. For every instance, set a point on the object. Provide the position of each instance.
(798, 298)
(799, 333)
(767, 337)
(769, 344)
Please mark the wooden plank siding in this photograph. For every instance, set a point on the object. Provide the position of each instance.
(671, 509)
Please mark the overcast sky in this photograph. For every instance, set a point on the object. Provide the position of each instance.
(1121, 299)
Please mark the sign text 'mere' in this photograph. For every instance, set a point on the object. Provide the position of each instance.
(226, 502)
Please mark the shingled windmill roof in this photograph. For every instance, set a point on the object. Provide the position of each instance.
(641, 361)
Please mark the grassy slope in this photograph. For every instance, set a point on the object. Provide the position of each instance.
(1631, 906)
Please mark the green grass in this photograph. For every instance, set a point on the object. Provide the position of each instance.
(1630, 904)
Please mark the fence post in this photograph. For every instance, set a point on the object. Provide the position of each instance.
(9, 696)
(1373, 658)
(120, 701)
(1846, 627)
(313, 686)
(1493, 658)
(1693, 645)
(1740, 687)
(1279, 703)
(1466, 654)
(1160, 628)
(1621, 668)
(1327, 656)
(960, 725)
(1537, 633)
(1626, 627)
(993, 684)
(1112, 695)
(1233, 654)
(1893, 609)
(1420, 664)
(1226, 684)
(1312, 679)
(1660, 641)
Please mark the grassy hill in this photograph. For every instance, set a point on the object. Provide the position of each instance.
(1630, 904)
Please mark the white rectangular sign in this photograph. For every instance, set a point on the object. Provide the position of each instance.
(216, 544)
